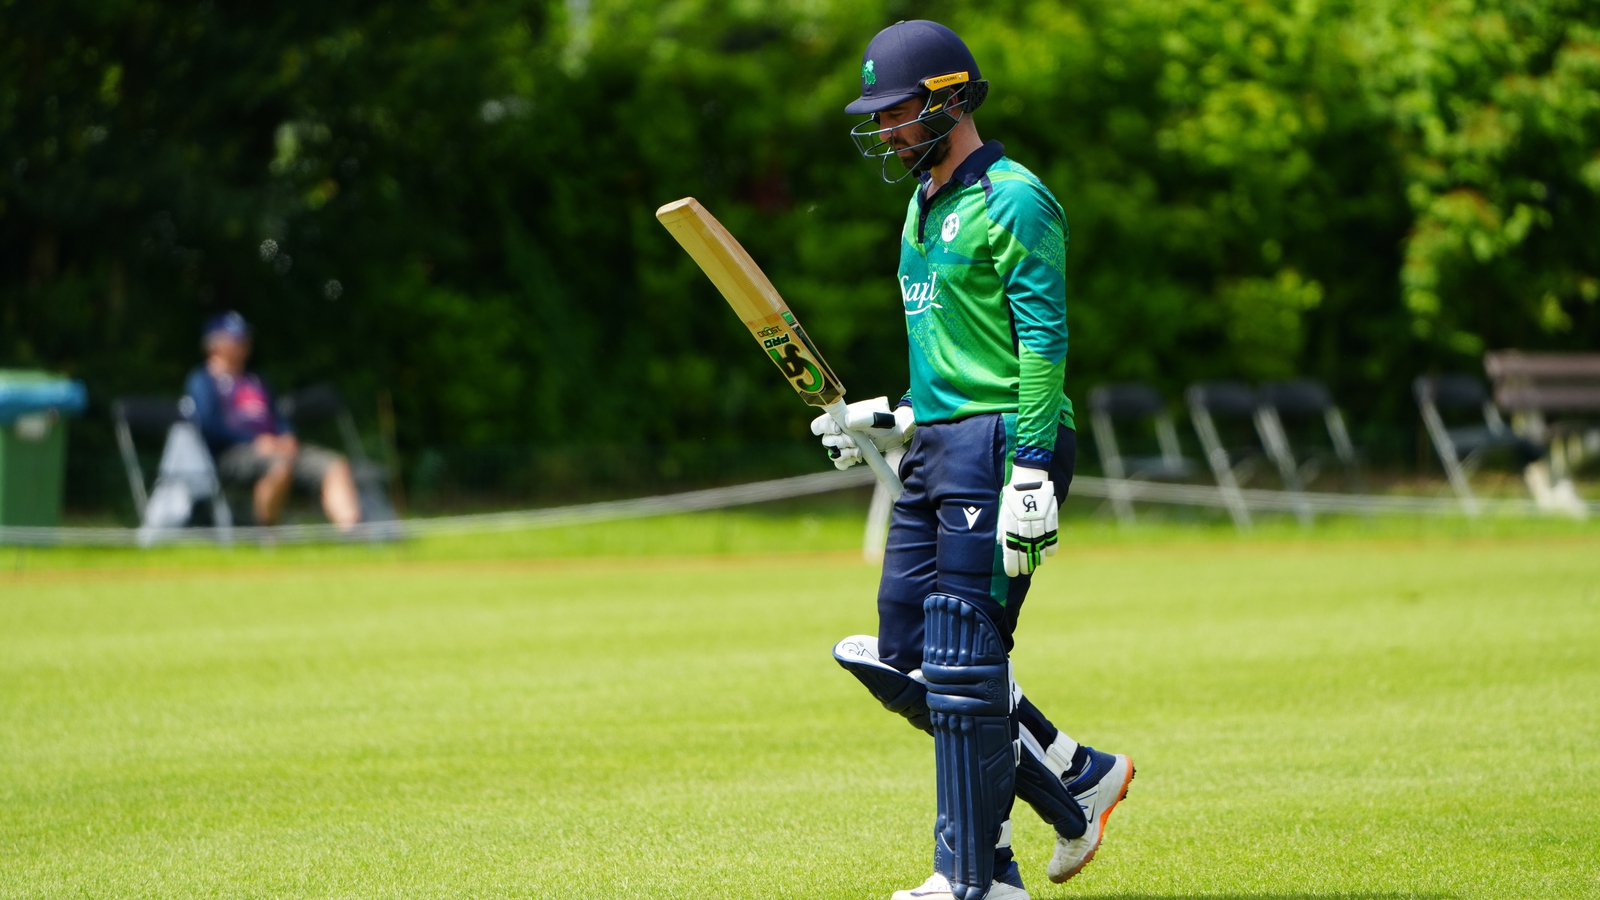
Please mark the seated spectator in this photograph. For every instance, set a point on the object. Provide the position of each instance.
(233, 410)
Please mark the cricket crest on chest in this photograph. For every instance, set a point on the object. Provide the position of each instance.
(950, 228)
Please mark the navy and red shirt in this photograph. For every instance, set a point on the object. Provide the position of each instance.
(231, 409)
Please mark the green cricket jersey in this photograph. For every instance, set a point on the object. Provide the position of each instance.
(983, 278)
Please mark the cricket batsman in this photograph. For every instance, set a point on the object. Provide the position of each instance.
(985, 445)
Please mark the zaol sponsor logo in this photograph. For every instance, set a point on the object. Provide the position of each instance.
(921, 296)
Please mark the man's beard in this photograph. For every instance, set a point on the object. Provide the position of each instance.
(930, 156)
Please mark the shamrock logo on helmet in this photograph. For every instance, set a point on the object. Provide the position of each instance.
(867, 77)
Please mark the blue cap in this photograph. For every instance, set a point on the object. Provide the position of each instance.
(902, 57)
(228, 324)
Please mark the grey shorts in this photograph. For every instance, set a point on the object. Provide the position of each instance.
(242, 464)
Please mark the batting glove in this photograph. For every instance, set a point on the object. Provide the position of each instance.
(889, 430)
(1028, 520)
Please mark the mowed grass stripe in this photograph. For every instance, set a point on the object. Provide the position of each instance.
(1310, 719)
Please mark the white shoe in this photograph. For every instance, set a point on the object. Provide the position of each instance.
(937, 887)
(1097, 791)
(1007, 887)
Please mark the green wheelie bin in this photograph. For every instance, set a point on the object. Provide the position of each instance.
(33, 444)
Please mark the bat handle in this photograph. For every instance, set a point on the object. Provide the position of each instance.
(869, 450)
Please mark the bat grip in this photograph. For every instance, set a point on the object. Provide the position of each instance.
(869, 451)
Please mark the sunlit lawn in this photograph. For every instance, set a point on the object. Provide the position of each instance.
(1320, 715)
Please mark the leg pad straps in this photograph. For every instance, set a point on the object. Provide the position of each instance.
(897, 691)
(903, 694)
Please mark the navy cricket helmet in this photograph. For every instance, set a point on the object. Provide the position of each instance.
(915, 59)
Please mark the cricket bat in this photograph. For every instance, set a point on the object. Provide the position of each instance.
(769, 319)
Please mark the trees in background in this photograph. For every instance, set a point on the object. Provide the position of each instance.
(454, 200)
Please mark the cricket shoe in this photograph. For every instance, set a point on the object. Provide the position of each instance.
(1098, 789)
(1008, 886)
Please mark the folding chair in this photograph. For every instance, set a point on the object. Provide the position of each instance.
(1135, 402)
(322, 403)
(1209, 401)
(1462, 449)
(148, 415)
(1302, 400)
(186, 474)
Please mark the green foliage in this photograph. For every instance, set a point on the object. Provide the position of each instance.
(454, 200)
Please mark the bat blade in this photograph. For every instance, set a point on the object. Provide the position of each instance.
(752, 296)
(771, 323)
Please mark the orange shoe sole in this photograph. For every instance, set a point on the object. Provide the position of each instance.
(1126, 782)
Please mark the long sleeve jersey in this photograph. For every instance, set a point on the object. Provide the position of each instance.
(983, 278)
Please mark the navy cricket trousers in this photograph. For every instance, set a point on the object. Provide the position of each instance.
(942, 532)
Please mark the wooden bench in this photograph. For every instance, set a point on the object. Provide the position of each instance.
(1536, 388)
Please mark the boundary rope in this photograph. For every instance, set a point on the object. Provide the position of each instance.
(481, 523)
(741, 495)
(1257, 500)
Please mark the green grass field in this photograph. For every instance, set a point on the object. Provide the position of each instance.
(1370, 711)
